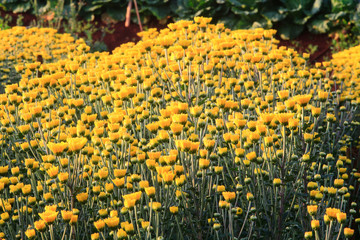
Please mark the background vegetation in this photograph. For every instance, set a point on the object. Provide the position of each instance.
(289, 17)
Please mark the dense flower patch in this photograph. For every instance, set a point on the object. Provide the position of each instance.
(26, 48)
(195, 132)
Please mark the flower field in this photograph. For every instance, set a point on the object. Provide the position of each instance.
(195, 132)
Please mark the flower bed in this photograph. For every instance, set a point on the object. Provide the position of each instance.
(195, 132)
(26, 48)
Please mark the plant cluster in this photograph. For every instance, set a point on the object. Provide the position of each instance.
(22, 48)
(195, 132)
(290, 17)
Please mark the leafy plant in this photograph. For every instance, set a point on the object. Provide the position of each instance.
(289, 17)
(4, 22)
(311, 49)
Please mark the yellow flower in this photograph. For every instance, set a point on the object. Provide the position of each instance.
(168, 177)
(76, 144)
(338, 183)
(63, 177)
(24, 129)
(119, 182)
(204, 163)
(121, 234)
(30, 233)
(5, 216)
(216, 226)
(180, 118)
(283, 95)
(323, 95)
(129, 228)
(150, 191)
(66, 215)
(293, 123)
(308, 235)
(112, 222)
(82, 197)
(348, 232)
(251, 156)
(103, 173)
(332, 213)
(303, 100)
(36, 111)
(284, 118)
(57, 148)
(95, 236)
(277, 181)
(229, 196)
(99, 225)
(4, 170)
(155, 206)
(49, 216)
(26, 189)
(53, 172)
(174, 209)
(224, 204)
(249, 196)
(315, 224)
(341, 217)
(312, 209)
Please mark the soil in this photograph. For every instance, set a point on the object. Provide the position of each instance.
(320, 43)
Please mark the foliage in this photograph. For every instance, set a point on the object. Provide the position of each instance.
(195, 132)
(289, 17)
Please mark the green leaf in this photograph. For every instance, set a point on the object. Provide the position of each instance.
(289, 30)
(274, 16)
(21, 7)
(88, 16)
(160, 12)
(181, 8)
(45, 8)
(316, 7)
(101, 2)
(335, 16)
(116, 13)
(243, 3)
(293, 5)
(91, 8)
(299, 18)
(244, 12)
(319, 25)
(151, 2)
(339, 5)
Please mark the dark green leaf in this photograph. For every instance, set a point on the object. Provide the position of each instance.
(21, 7)
(295, 5)
(91, 8)
(100, 2)
(239, 11)
(117, 13)
(339, 5)
(299, 18)
(261, 23)
(289, 30)
(160, 12)
(274, 16)
(88, 16)
(243, 3)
